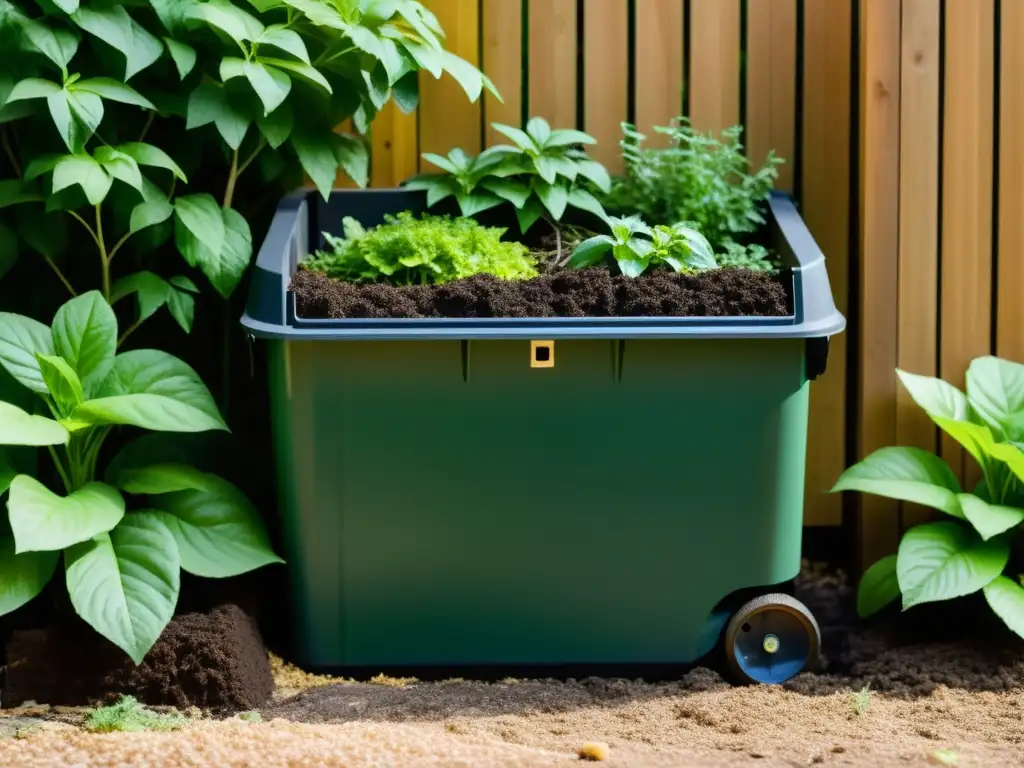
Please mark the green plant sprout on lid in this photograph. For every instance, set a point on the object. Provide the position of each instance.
(127, 715)
(635, 246)
(543, 174)
(121, 564)
(972, 549)
(428, 250)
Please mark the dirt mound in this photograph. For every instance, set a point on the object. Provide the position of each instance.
(214, 660)
(576, 293)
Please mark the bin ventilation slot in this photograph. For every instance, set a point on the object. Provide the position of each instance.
(542, 354)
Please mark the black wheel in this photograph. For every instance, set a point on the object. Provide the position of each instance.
(770, 640)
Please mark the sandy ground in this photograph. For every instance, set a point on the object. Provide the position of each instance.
(934, 702)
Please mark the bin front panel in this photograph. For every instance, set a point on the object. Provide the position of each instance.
(448, 503)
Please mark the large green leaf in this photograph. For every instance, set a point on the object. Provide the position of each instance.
(113, 90)
(277, 126)
(42, 521)
(941, 561)
(224, 267)
(117, 29)
(317, 158)
(219, 532)
(21, 339)
(906, 474)
(304, 71)
(23, 576)
(200, 217)
(153, 390)
(181, 303)
(147, 154)
(989, 519)
(1006, 599)
(151, 292)
(64, 385)
(229, 19)
(125, 584)
(270, 84)
(208, 103)
(57, 44)
(32, 88)
(935, 396)
(120, 165)
(164, 478)
(85, 335)
(84, 171)
(77, 115)
(353, 157)
(18, 427)
(149, 214)
(591, 251)
(878, 587)
(288, 40)
(555, 198)
(995, 388)
(184, 56)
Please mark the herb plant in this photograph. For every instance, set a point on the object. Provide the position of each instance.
(699, 179)
(973, 549)
(122, 569)
(635, 246)
(542, 175)
(432, 249)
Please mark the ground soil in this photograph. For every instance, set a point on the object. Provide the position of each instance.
(934, 688)
(214, 660)
(569, 293)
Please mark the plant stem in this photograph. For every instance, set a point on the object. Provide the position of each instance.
(104, 259)
(128, 332)
(10, 151)
(145, 128)
(229, 190)
(250, 158)
(117, 246)
(60, 469)
(85, 224)
(60, 275)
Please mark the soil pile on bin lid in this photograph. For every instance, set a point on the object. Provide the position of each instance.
(214, 660)
(568, 293)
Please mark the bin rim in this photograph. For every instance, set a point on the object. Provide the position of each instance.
(270, 312)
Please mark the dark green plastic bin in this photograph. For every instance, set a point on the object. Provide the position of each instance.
(448, 502)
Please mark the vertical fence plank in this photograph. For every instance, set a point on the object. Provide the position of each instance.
(826, 184)
(967, 196)
(503, 63)
(394, 157)
(447, 118)
(659, 64)
(919, 223)
(771, 84)
(1010, 317)
(714, 64)
(552, 61)
(880, 189)
(606, 77)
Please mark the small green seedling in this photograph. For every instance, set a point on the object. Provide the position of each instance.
(253, 716)
(129, 716)
(635, 246)
(862, 700)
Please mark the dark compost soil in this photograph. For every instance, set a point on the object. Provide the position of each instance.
(570, 293)
(214, 660)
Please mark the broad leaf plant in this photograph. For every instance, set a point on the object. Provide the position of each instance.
(126, 134)
(975, 547)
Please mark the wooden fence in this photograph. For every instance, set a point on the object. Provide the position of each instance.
(902, 123)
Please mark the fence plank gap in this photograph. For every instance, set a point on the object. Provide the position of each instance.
(447, 118)
(659, 64)
(606, 77)
(826, 186)
(771, 84)
(552, 57)
(503, 63)
(919, 223)
(714, 64)
(1010, 308)
(967, 199)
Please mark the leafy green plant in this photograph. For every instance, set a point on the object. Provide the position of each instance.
(127, 715)
(433, 249)
(208, 78)
(542, 175)
(122, 569)
(699, 179)
(635, 246)
(750, 256)
(972, 550)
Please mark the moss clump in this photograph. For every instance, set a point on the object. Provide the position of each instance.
(129, 716)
